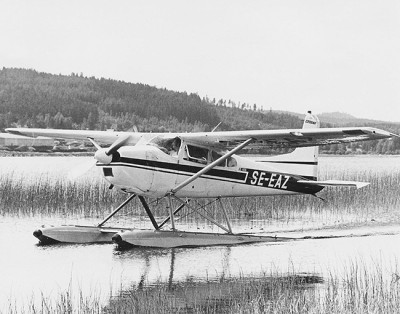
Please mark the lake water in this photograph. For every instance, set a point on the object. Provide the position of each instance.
(29, 271)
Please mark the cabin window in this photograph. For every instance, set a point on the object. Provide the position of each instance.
(204, 156)
(231, 162)
(215, 155)
(197, 154)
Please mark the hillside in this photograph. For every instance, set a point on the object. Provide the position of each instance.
(34, 99)
(345, 119)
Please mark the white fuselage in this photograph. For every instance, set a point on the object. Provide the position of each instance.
(148, 171)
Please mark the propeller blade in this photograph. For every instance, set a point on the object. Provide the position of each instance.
(94, 143)
(117, 144)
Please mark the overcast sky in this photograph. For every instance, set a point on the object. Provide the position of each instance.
(282, 54)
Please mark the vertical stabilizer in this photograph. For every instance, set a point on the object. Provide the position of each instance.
(303, 161)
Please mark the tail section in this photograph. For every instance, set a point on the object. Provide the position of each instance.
(303, 161)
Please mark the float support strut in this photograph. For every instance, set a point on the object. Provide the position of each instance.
(171, 214)
(168, 218)
(148, 212)
(225, 215)
(116, 210)
(203, 215)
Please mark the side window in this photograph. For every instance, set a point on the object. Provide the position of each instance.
(214, 156)
(197, 154)
(231, 162)
(204, 156)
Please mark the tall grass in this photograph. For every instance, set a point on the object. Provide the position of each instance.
(379, 202)
(46, 196)
(65, 302)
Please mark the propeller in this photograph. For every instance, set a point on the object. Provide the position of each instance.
(117, 144)
(103, 155)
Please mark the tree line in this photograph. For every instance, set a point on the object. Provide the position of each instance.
(34, 99)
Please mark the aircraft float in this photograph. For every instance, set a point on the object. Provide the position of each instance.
(180, 167)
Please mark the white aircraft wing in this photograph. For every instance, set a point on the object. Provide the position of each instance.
(103, 137)
(226, 139)
(286, 137)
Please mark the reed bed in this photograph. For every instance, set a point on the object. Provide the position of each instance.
(378, 201)
(46, 196)
(356, 289)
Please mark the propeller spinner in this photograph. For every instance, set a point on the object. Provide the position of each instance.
(105, 155)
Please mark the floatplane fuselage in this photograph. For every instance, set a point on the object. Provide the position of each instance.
(146, 170)
(183, 166)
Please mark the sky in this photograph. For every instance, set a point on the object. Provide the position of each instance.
(319, 55)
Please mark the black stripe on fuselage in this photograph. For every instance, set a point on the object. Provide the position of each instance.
(233, 175)
(281, 181)
(314, 163)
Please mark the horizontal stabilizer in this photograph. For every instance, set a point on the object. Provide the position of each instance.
(357, 184)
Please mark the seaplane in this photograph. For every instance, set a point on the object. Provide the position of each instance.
(180, 168)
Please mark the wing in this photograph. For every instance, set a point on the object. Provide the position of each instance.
(104, 137)
(286, 138)
(226, 139)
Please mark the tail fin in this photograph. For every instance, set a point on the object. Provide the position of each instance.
(303, 161)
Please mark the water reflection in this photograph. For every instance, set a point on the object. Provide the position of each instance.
(193, 293)
(30, 271)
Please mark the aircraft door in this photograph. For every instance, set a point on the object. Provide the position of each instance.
(149, 177)
(164, 172)
(191, 160)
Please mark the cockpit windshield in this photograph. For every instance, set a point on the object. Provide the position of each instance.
(168, 146)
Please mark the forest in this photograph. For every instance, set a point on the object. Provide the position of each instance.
(29, 98)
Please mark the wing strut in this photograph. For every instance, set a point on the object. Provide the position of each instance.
(210, 166)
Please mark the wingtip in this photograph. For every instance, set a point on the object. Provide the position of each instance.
(15, 131)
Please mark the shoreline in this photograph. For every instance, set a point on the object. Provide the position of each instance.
(7, 153)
